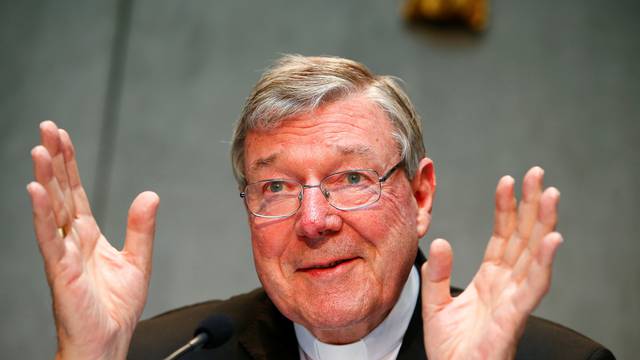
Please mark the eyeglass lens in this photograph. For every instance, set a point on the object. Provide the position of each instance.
(345, 191)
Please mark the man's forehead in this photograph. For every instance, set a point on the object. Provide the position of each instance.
(359, 150)
(351, 128)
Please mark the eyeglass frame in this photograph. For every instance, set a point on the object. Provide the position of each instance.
(381, 180)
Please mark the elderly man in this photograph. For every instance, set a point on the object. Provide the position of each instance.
(338, 190)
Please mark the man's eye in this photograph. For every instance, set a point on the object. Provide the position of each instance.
(275, 186)
(354, 178)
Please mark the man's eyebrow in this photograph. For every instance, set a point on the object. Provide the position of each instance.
(355, 149)
(263, 162)
(345, 150)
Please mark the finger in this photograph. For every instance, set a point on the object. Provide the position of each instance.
(50, 137)
(43, 172)
(44, 224)
(141, 227)
(547, 218)
(527, 214)
(80, 200)
(521, 267)
(538, 278)
(504, 219)
(436, 275)
(528, 207)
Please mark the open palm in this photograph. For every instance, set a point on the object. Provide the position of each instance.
(487, 319)
(98, 292)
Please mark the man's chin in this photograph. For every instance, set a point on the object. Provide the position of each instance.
(327, 314)
(330, 302)
(340, 326)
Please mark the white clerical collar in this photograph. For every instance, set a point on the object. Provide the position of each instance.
(382, 343)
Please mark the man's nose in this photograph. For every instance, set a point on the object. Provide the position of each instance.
(316, 218)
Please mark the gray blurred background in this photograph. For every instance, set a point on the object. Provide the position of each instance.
(149, 91)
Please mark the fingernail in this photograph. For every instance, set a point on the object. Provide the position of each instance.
(508, 178)
(559, 236)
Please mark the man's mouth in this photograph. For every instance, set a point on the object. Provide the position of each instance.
(320, 268)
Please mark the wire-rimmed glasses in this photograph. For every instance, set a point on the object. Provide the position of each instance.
(344, 190)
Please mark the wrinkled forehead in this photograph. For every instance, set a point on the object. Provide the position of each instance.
(344, 151)
(354, 128)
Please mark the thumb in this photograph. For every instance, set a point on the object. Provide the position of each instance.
(141, 228)
(436, 275)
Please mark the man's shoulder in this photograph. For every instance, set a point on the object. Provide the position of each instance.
(252, 314)
(545, 339)
(239, 307)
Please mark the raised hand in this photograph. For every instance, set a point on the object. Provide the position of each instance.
(98, 292)
(488, 318)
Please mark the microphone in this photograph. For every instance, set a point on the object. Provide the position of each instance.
(212, 332)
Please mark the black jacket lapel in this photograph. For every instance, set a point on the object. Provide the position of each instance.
(413, 342)
(270, 335)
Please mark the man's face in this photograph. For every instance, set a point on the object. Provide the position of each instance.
(336, 272)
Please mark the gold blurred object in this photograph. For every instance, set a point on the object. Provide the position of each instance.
(61, 232)
(472, 13)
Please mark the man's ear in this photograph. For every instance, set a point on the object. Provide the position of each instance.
(423, 185)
